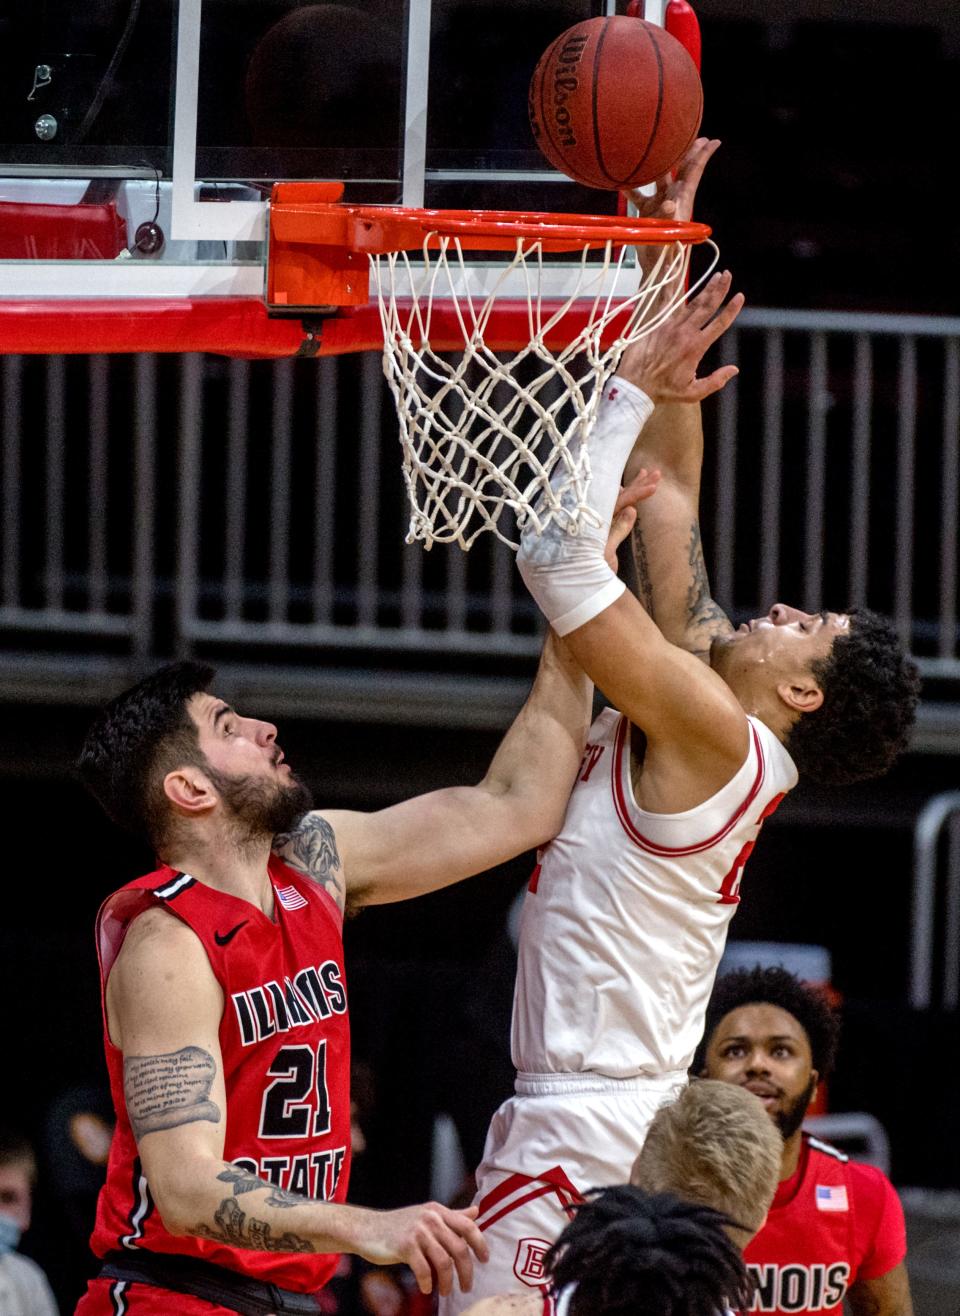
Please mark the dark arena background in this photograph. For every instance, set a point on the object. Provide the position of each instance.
(251, 513)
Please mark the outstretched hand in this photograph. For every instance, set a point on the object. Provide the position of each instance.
(675, 193)
(643, 485)
(664, 363)
(435, 1241)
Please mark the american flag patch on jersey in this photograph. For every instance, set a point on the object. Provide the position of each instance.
(290, 897)
(831, 1199)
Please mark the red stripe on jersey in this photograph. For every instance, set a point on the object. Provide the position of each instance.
(623, 812)
(556, 1178)
(552, 1181)
(515, 1205)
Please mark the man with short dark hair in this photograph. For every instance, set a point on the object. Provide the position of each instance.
(835, 1232)
(225, 1006)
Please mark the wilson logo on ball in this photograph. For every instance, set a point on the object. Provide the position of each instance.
(565, 83)
(615, 102)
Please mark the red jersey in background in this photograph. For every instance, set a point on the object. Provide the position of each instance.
(832, 1223)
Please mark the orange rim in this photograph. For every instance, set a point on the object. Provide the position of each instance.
(381, 229)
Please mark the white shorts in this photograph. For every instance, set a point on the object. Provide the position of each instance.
(560, 1136)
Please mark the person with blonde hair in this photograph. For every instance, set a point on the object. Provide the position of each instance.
(668, 1243)
(713, 1146)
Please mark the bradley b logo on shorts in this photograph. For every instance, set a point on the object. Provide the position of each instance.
(528, 1264)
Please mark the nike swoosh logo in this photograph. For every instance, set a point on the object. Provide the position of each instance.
(223, 938)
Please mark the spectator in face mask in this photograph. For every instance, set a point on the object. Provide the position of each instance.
(24, 1290)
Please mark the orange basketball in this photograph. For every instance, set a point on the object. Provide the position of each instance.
(615, 102)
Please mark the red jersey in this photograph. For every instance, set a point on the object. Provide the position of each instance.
(832, 1223)
(285, 1042)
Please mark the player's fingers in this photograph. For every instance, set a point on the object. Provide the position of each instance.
(702, 307)
(706, 302)
(440, 1265)
(621, 526)
(469, 1230)
(702, 388)
(724, 318)
(643, 484)
(463, 1262)
(420, 1267)
(448, 1255)
(695, 159)
(691, 170)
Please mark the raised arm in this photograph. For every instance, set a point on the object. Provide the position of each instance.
(696, 730)
(440, 838)
(667, 549)
(164, 1007)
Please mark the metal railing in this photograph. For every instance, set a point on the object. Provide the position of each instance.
(163, 505)
(936, 940)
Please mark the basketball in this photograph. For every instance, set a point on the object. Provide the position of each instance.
(615, 102)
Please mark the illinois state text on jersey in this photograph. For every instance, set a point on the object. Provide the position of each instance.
(285, 1044)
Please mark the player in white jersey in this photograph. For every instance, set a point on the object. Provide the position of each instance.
(627, 914)
(706, 1149)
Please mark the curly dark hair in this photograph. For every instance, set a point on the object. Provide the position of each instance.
(870, 695)
(775, 986)
(136, 740)
(629, 1251)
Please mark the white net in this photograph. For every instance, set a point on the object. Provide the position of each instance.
(485, 434)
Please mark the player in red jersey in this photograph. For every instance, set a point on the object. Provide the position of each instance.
(224, 1000)
(835, 1232)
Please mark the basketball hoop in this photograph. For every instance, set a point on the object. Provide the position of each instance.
(496, 373)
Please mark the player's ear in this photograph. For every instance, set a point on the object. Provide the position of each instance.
(815, 1080)
(801, 693)
(190, 791)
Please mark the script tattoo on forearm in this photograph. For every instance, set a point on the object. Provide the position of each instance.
(163, 1092)
(705, 617)
(642, 567)
(238, 1229)
(244, 1182)
(311, 847)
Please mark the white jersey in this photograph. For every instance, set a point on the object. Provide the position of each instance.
(627, 914)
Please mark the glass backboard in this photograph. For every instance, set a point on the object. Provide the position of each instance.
(139, 143)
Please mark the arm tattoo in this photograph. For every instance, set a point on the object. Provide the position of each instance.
(239, 1230)
(248, 1183)
(642, 566)
(163, 1092)
(311, 848)
(705, 618)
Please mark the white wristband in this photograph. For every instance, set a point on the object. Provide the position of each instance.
(567, 574)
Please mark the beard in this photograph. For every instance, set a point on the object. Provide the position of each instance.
(789, 1120)
(261, 808)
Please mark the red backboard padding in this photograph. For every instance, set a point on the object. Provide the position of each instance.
(31, 231)
(240, 326)
(233, 326)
